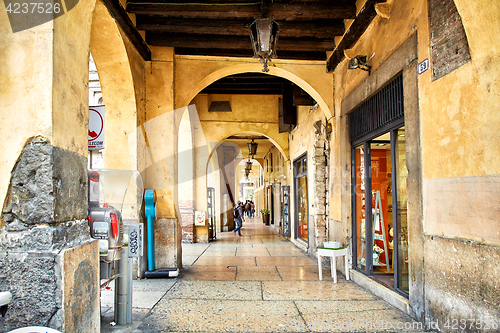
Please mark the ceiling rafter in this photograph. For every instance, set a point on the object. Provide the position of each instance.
(313, 29)
(234, 42)
(280, 12)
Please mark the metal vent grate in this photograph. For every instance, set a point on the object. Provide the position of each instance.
(383, 108)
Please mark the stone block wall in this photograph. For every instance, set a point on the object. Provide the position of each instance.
(320, 187)
(168, 249)
(49, 262)
(461, 284)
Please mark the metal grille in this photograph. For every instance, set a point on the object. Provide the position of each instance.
(383, 108)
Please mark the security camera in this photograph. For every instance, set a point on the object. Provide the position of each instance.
(5, 298)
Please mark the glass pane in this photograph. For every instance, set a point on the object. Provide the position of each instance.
(360, 207)
(302, 205)
(304, 165)
(402, 222)
(381, 182)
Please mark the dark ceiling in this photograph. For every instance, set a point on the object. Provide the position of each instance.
(247, 84)
(219, 28)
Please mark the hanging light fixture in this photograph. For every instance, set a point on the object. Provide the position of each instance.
(249, 165)
(252, 148)
(264, 37)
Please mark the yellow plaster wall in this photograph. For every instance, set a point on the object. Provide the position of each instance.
(256, 114)
(43, 91)
(138, 68)
(159, 131)
(70, 80)
(195, 73)
(117, 84)
(460, 112)
(459, 116)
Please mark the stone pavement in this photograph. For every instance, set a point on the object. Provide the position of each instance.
(259, 282)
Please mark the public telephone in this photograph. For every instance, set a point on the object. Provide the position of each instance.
(105, 222)
(106, 225)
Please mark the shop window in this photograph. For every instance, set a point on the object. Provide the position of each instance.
(379, 188)
(301, 199)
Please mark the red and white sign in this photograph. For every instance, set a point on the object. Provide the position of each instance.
(96, 127)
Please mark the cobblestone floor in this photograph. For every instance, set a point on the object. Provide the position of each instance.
(259, 282)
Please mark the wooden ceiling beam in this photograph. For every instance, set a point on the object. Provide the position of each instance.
(218, 52)
(120, 15)
(353, 34)
(280, 12)
(313, 29)
(235, 42)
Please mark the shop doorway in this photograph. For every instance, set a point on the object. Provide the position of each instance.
(380, 229)
(301, 199)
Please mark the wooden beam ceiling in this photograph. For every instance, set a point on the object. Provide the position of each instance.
(319, 29)
(216, 28)
(234, 42)
(280, 12)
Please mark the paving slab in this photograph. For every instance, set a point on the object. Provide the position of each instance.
(259, 282)
(221, 316)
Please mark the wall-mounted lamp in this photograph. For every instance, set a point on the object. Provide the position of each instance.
(359, 61)
(264, 37)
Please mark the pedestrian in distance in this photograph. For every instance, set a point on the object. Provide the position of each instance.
(238, 217)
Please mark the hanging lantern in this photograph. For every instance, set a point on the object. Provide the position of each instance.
(249, 166)
(252, 148)
(264, 37)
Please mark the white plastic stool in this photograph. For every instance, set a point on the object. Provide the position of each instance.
(332, 254)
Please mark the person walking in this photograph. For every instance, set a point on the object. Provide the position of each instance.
(238, 217)
(248, 208)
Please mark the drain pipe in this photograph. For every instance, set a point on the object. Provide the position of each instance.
(122, 283)
(150, 211)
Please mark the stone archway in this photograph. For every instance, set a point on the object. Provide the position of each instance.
(114, 67)
(319, 85)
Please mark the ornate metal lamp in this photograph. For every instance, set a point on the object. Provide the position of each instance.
(252, 148)
(264, 37)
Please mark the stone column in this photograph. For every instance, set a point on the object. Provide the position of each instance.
(159, 156)
(49, 262)
(320, 188)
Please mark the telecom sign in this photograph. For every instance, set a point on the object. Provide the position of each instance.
(96, 127)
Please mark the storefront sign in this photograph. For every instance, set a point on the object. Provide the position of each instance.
(96, 127)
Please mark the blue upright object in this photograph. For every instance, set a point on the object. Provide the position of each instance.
(150, 210)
